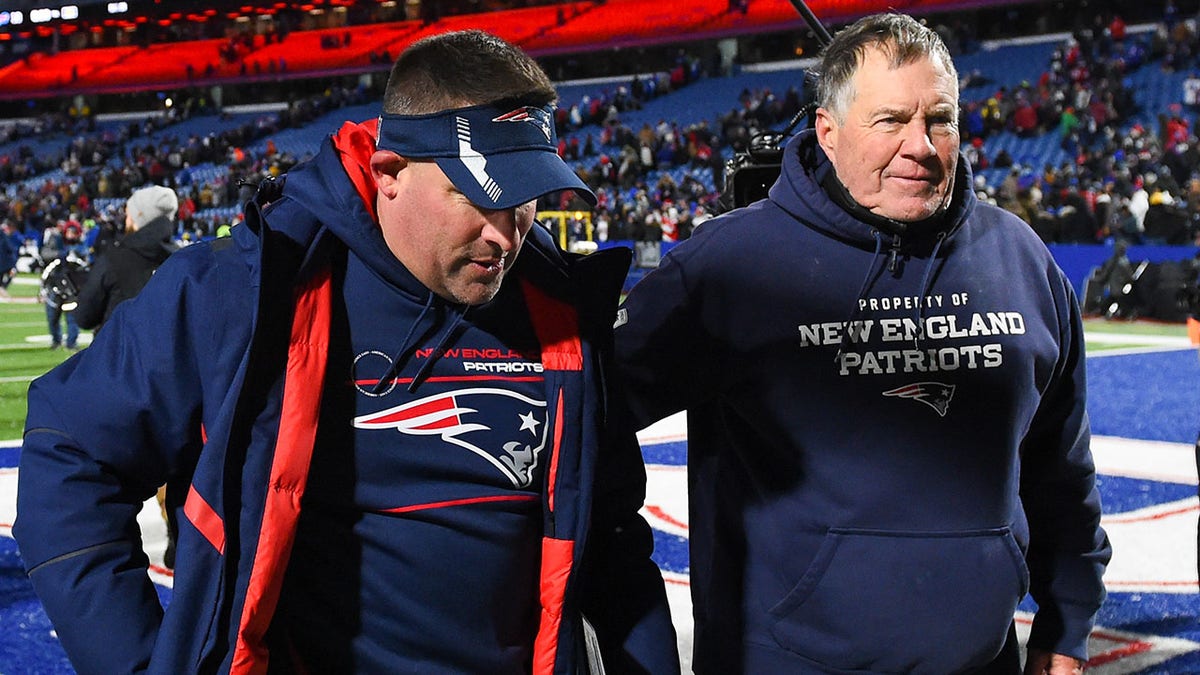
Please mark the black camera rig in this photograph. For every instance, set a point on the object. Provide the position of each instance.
(750, 174)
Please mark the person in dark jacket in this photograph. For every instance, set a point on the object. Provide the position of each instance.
(121, 271)
(61, 281)
(124, 268)
(393, 431)
(884, 385)
(9, 251)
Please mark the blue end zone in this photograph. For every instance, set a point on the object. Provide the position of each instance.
(1151, 397)
(1119, 494)
(9, 456)
(673, 453)
(26, 640)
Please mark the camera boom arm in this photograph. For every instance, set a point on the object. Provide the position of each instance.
(749, 174)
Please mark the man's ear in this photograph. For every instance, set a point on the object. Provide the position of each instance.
(827, 131)
(385, 166)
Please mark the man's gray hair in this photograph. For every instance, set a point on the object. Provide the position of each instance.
(900, 37)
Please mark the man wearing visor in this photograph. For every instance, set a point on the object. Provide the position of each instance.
(388, 429)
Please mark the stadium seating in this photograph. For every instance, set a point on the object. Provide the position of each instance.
(40, 73)
(304, 140)
(548, 28)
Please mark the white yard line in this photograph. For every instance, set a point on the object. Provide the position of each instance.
(1128, 338)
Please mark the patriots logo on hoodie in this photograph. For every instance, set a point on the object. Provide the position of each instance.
(501, 426)
(933, 394)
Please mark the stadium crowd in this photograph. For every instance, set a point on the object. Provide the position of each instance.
(1125, 181)
(1134, 183)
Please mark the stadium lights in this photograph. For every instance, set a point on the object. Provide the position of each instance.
(44, 14)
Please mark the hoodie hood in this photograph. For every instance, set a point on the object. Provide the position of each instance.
(342, 173)
(154, 241)
(802, 190)
(802, 193)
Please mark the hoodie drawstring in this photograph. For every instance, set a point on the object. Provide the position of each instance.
(405, 344)
(926, 280)
(437, 350)
(862, 290)
(893, 255)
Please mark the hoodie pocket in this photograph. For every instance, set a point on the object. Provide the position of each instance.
(903, 602)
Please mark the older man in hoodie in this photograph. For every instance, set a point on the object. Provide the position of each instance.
(884, 378)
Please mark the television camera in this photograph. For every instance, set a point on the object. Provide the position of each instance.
(750, 174)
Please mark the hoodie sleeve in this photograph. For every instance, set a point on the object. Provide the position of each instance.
(661, 351)
(624, 596)
(1068, 550)
(103, 431)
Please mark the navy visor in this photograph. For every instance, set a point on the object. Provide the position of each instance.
(497, 158)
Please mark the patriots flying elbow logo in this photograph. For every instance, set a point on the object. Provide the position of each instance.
(933, 394)
(466, 417)
(531, 114)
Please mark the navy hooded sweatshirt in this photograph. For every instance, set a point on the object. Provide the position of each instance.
(344, 436)
(430, 454)
(887, 441)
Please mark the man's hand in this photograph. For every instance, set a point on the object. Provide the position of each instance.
(1041, 662)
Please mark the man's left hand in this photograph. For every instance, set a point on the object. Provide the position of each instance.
(1041, 662)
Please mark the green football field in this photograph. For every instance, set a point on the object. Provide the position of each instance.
(25, 353)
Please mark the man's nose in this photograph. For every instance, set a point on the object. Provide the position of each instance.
(501, 229)
(918, 140)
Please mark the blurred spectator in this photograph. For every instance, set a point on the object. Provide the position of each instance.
(8, 257)
(125, 268)
(61, 281)
(1165, 222)
(1109, 285)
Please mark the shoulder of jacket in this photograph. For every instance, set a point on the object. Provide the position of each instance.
(217, 260)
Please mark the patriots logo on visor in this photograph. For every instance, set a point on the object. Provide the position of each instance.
(533, 115)
(933, 394)
(514, 447)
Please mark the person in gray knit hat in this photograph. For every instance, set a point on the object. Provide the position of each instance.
(124, 269)
(148, 204)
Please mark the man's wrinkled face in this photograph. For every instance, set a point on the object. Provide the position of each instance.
(896, 150)
(458, 250)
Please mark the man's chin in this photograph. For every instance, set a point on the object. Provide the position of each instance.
(476, 293)
(913, 209)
